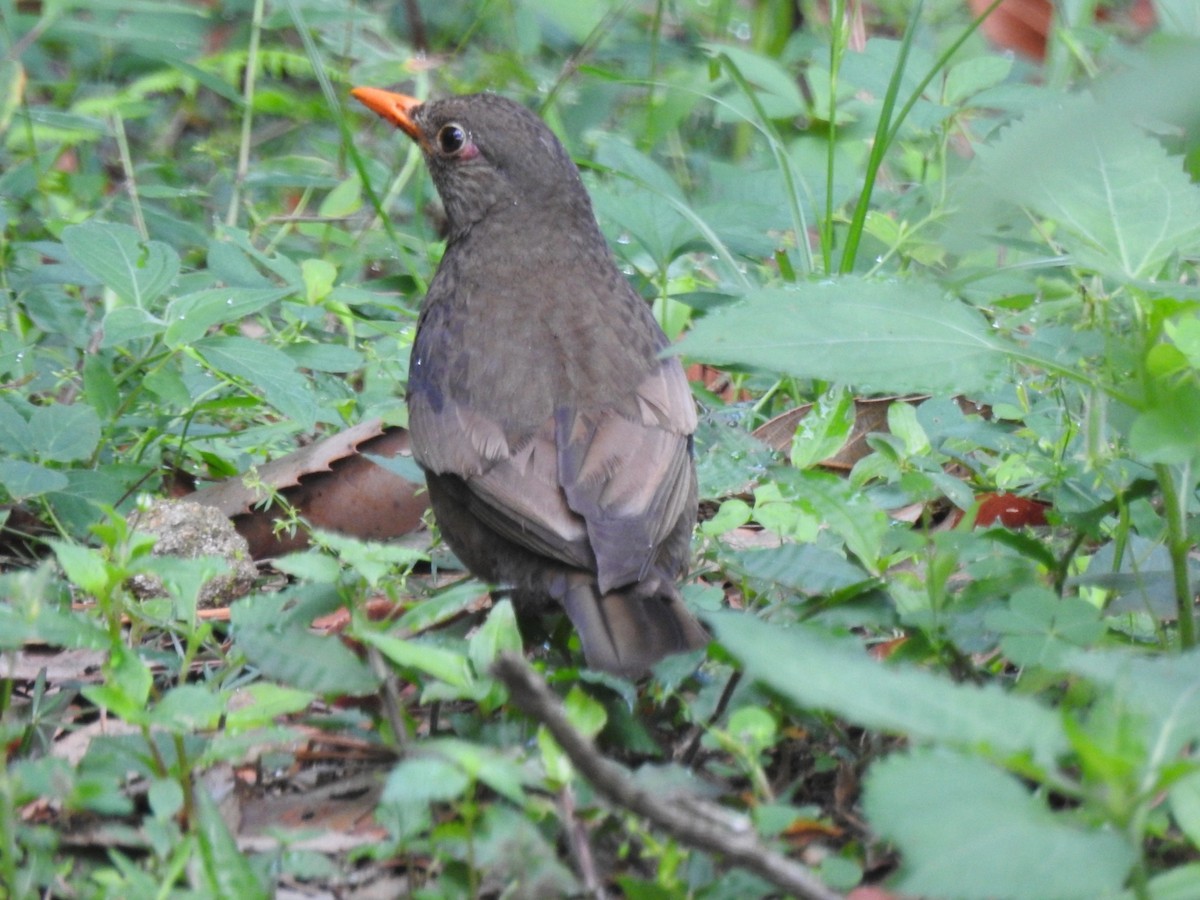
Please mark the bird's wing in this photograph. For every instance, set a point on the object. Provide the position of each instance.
(513, 488)
(630, 477)
(595, 489)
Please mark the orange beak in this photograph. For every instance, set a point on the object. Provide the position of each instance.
(396, 108)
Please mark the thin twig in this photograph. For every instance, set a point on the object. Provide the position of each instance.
(577, 837)
(693, 821)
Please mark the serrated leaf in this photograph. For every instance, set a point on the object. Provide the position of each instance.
(877, 336)
(1122, 204)
(806, 568)
(967, 830)
(137, 271)
(817, 670)
(285, 648)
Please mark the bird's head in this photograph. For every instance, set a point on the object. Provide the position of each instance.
(486, 154)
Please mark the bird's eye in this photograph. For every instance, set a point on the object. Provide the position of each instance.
(451, 138)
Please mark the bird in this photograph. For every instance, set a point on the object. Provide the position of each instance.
(555, 436)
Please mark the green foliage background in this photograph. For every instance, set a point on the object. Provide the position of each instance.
(206, 253)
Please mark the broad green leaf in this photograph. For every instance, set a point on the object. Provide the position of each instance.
(84, 567)
(186, 708)
(343, 200)
(816, 670)
(126, 687)
(373, 560)
(129, 323)
(1185, 806)
(1123, 206)
(275, 634)
(439, 662)
(265, 369)
(222, 869)
(319, 276)
(499, 769)
(805, 568)
(64, 433)
(137, 271)
(425, 779)
(499, 632)
(23, 480)
(1169, 431)
(1163, 690)
(967, 78)
(776, 87)
(1038, 625)
(15, 439)
(190, 316)
(824, 430)
(324, 357)
(967, 830)
(258, 705)
(888, 336)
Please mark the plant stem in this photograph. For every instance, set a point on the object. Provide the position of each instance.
(1174, 507)
(243, 164)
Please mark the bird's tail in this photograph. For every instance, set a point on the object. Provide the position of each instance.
(624, 632)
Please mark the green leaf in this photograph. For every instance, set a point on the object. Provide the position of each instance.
(259, 705)
(372, 560)
(967, 830)
(186, 708)
(1038, 625)
(23, 479)
(189, 317)
(1169, 431)
(804, 568)
(825, 430)
(319, 276)
(499, 632)
(1163, 690)
(84, 567)
(1122, 204)
(816, 670)
(284, 647)
(128, 323)
(1185, 806)
(494, 767)
(878, 336)
(224, 870)
(126, 687)
(64, 433)
(138, 272)
(425, 779)
(343, 200)
(445, 665)
(263, 368)
(777, 91)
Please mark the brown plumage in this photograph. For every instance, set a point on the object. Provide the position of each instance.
(556, 443)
